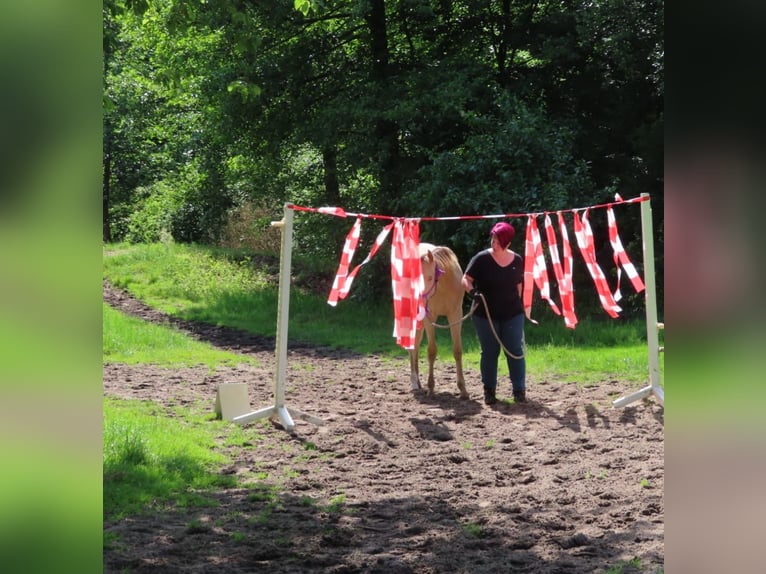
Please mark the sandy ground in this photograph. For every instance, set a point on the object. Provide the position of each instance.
(395, 481)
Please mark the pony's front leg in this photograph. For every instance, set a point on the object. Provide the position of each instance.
(414, 359)
(431, 336)
(456, 327)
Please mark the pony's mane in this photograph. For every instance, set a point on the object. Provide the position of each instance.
(446, 259)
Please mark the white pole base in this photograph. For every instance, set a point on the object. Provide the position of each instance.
(284, 414)
(659, 392)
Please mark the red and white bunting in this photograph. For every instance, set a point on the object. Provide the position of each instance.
(568, 295)
(342, 284)
(339, 285)
(584, 235)
(529, 270)
(409, 308)
(407, 281)
(564, 283)
(540, 269)
(621, 258)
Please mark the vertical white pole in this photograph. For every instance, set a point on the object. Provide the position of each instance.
(652, 327)
(279, 409)
(283, 307)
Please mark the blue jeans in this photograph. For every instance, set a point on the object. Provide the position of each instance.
(511, 333)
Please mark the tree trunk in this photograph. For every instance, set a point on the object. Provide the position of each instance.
(386, 131)
(376, 19)
(331, 184)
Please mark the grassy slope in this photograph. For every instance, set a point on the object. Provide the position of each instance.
(229, 288)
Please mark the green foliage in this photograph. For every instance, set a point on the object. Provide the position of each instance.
(513, 161)
(421, 110)
(644, 483)
(153, 218)
(126, 446)
(249, 226)
(303, 6)
(597, 349)
(157, 130)
(174, 276)
(336, 504)
(473, 530)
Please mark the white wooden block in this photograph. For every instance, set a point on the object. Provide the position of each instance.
(231, 400)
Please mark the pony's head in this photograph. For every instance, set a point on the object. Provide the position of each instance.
(427, 265)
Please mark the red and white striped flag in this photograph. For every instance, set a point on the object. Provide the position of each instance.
(342, 283)
(339, 284)
(540, 271)
(529, 270)
(564, 282)
(621, 258)
(567, 251)
(584, 235)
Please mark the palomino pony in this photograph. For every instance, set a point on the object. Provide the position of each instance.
(443, 293)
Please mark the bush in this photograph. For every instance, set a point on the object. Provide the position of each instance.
(154, 215)
(249, 226)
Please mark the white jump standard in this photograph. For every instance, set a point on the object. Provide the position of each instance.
(281, 411)
(652, 326)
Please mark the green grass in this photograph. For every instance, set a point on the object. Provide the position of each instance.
(624, 566)
(155, 456)
(229, 287)
(152, 459)
(131, 340)
(226, 287)
(473, 530)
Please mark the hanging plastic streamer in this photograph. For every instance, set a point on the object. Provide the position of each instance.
(567, 252)
(535, 273)
(539, 269)
(584, 235)
(343, 281)
(407, 281)
(564, 283)
(529, 270)
(620, 256)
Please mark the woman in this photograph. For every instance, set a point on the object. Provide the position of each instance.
(494, 279)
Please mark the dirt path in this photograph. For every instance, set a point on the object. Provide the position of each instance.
(396, 482)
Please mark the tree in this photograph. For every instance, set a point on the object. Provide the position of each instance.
(404, 107)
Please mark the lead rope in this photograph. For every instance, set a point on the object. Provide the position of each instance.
(438, 273)
(492, 326)
(448, 325)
